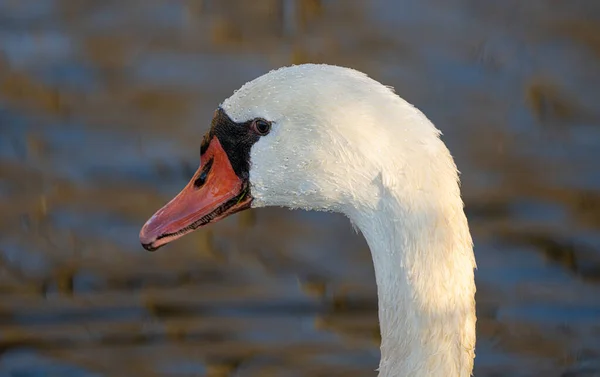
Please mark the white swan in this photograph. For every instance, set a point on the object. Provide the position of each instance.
(321, 137)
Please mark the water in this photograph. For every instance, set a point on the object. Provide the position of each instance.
(102, 110)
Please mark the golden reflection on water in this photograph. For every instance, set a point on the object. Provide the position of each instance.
(102, 108)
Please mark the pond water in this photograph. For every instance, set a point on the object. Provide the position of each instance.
(102, 109)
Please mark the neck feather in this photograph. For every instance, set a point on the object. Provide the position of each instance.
(423, 259)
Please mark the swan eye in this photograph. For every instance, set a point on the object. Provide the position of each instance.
(261, 126)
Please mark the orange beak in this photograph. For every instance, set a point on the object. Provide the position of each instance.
(214, 192)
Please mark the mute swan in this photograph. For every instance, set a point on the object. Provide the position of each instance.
(328, 138)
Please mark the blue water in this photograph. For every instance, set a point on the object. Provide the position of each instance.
(102, 111)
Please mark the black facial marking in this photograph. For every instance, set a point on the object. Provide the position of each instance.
(236, 140)
(199, 182)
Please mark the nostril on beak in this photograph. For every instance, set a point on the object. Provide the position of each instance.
(199, 182)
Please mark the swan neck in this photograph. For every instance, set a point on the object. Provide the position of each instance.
(424, 263)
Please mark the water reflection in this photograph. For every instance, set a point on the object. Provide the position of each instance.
(102, 107)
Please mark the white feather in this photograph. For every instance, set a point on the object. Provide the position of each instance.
(343, 142)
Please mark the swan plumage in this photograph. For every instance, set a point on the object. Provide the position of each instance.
(340, 141)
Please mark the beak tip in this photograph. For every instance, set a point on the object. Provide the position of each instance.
(146, 240)
(149, 246)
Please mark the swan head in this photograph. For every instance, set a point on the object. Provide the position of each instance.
(315, 137)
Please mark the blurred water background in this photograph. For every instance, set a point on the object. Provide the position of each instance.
(102, 108)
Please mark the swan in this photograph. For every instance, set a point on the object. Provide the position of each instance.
(328, 138)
